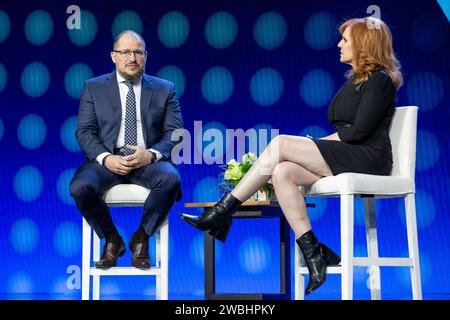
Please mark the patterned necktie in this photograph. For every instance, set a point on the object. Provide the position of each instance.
(130, 119)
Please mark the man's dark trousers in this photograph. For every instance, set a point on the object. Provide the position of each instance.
(91, 180)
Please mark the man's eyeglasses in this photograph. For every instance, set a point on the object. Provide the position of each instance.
(127, 53)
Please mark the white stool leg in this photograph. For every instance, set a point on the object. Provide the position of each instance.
(347, 246)
(299, 277)
(96, 279)
(413, 245)
(86, 260)
(158, 264)
(162, 259)
(372, 247)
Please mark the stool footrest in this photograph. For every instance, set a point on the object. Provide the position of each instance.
(385, 262)
(124, 271)
(367, 262)
(330, 270)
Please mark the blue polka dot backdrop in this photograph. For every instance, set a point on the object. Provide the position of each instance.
(265, 133)
(428, 150)
(317, 88)
(426, 89)
(126, 20)
(2, 128)
(19, 285)
(196, 252)
(266, 86)
(35, 79)
(206, 189)
(38, 27)
(254, 255)
(62, 183)
(5, 25)
(28, 183)
(217, 85)
(176, 75)
(173, 29)
(24, 236)
(84, 35)
(252, 66)
(68, 130)
(320, 31)
(74, 79)
(270, 30)
(31, 131)
(3, 77)
(429, 31)
(67, 239)
(221, 30)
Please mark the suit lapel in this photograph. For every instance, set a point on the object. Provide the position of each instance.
(146, 98)
(114, 97)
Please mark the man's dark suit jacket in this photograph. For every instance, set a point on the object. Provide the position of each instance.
(100, 115)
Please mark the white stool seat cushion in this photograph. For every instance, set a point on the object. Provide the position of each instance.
(126, 194)
(358, 183)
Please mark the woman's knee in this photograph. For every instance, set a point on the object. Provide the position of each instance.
(279, 141)
(281, 145)
(281, 173)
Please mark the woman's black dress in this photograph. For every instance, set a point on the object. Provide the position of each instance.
(361, 115)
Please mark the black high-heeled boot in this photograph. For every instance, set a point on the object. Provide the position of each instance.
(317, 257)
(217, 219)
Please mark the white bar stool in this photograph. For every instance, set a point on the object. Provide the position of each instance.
(348, 185)
(125, 195)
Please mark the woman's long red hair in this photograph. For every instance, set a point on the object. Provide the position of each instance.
(372, 49)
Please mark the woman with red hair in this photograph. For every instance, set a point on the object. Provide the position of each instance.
(361, 112)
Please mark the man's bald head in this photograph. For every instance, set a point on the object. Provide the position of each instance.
(127, 33)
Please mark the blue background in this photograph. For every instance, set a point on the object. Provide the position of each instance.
(236, 64)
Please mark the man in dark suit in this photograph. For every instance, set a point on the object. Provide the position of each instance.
(125, 123)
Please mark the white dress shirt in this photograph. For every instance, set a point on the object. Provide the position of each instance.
(120, 142)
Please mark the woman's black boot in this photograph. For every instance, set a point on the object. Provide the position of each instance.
(317, 257)
(217, 219)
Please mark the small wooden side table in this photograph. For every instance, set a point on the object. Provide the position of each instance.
(249, 210)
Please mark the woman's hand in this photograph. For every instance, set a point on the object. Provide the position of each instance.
(333, 136)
